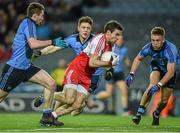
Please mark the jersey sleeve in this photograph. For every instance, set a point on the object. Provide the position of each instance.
(68, 42)
(144, 51)
(97, 46)
(171, 54)
(30, 29)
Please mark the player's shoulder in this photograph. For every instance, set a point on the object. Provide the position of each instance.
(72, 36)
(147, 46)
(27, 21)
(99, 36)
(169, 44)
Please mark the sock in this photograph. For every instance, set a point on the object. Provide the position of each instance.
(161, 106)
(156, 113)
(47, 112)
(141, 110)
(158, 110)
(54, 114)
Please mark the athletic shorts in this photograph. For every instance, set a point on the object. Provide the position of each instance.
(75, 80)
(12, 77)
(171, 82)
(116, 77)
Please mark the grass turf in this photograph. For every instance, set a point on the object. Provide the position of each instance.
(28, 122)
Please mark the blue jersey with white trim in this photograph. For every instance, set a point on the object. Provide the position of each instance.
(167, 54)
(73, 41)
(122, 52)
(21, 51)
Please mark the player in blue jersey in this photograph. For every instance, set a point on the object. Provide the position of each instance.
(19, 67)
(163, 72)
(118, 77)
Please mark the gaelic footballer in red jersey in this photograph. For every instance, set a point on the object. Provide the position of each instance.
(77, 78)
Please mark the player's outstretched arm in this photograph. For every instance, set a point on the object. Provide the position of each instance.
(34, 43)
(50, 49)
(135, 65)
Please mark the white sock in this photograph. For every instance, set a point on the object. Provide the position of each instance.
(54, 114)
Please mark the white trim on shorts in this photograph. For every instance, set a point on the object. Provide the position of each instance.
(81, 89)
(71, 86)
(78, 88)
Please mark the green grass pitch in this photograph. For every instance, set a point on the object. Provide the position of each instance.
(28, 122)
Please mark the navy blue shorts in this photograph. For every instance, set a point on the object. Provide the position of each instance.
(12, 77)
(117, 77)
(171, 82)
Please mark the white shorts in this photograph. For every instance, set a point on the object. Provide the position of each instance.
(78, 88)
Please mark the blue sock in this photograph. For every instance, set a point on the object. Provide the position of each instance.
(141, 110)
(47, 110)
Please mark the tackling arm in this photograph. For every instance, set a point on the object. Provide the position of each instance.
(50, 49)
(34, 43)
(136, 63)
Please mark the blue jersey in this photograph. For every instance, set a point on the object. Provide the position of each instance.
(21, 52)
(122, 52)
(73, 41)
(168, 54)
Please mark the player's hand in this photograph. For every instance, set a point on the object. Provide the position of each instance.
(153, 89)
(36, 54)
(59, 42)
(129, 79)
(114, 61)
(109, 74)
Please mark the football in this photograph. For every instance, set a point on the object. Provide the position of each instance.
(108, 55)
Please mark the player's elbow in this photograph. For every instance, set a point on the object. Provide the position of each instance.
(32, 43)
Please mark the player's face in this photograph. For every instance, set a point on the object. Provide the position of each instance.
(113, 36)
(40, 18)
(157, 41)
(84, 30)
(120, 41)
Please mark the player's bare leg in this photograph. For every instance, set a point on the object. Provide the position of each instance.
(124, 96)
(3, 95)
(154, 79)
(43, 78)
(75, 106)
(78, 111)
(165, 94)
(105, 94)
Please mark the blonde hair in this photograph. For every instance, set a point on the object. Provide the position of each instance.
(158, 31)
(33, 8)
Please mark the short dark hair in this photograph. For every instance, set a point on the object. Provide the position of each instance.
(33, 8)
(158, 31)
(85, 19)
(112, 25)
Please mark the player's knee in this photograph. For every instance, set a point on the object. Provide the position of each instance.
(52, 84)
(70, 101)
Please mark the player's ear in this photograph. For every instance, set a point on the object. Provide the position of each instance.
(108, 32)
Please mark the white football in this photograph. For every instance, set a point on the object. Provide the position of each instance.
(108, 55)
